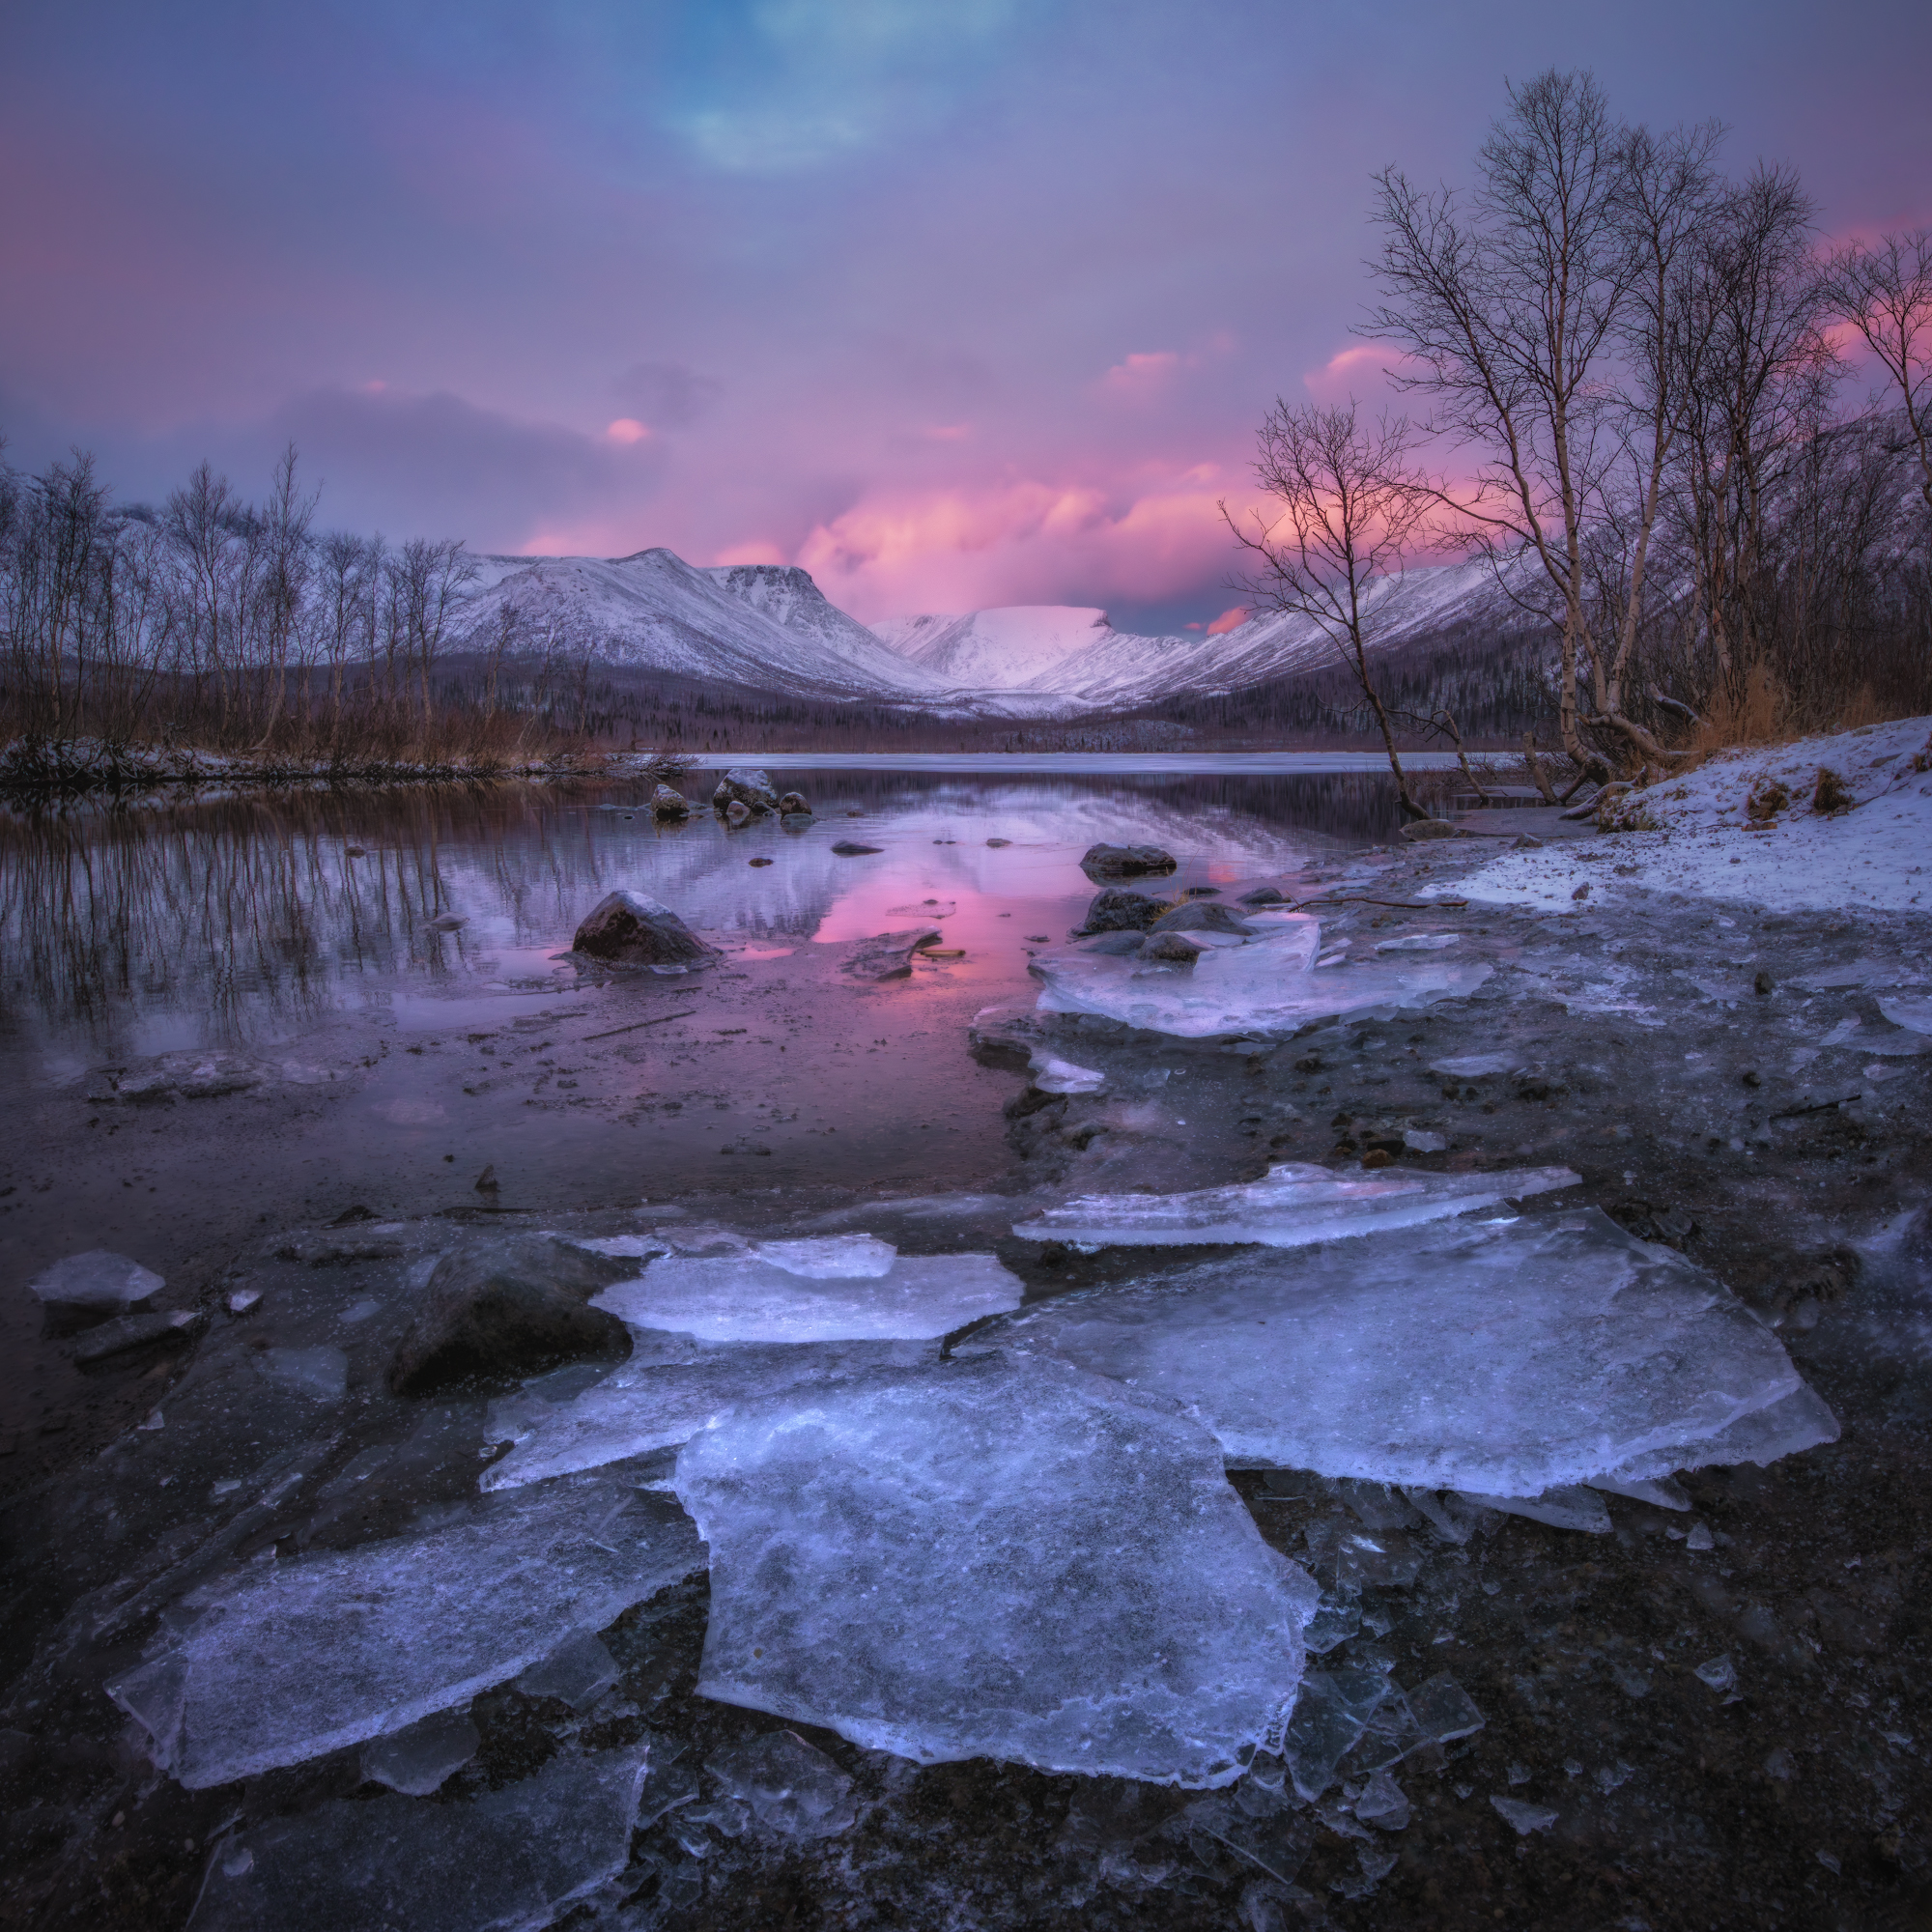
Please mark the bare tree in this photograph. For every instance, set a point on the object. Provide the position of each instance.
(1346, 503)
(287, 561)
(1884, 292)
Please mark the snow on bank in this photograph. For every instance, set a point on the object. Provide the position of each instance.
(1877, 856)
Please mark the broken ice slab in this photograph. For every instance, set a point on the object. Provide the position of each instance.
(1265, 985)
(1262, 1825)
(576, 1672)
(1442, 1710)
(1476, 1065)
(659, 1406)
(1420, 942)
(510, 1862)
(1384, 1803)
(790, 1789)
(750, 1297)
(321, 1373)
(1330, 1713)
(1498, 1359)
(994, 1556)
(102, 1283)
(1524, 1818)
(417, 1759)
(1296, 1203)
(1662, 1493)
(1909, 1011)
(294, 1659)
(1576, 1506)
(1052, 1075)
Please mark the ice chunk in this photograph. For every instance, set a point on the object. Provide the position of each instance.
(1262, 985)
(1501, 1359)
(830, 1257)
(1476, 1065)
(1524, 1818)
(578, 1671)
(790, 1789)
(1298, 1203)
(510, 1862)
(1442, 1710)
(994, 1556)
(1576, 1506)
(1332, 1711)
(106, 1283)
(292, 1660)
(749, 1298)
(1061, 1076)
(319, 1372)
(1799, 1420)
(627, 1246)
(1907, 1010)
(1384, 1805)
(1720, 1675)
(1662, 1493)
(659, 1406)
(417, 1759)
(1420, 942)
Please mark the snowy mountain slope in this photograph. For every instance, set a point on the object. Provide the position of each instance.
(762, 627)
(1008, 648)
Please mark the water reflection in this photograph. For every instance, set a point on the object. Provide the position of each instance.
(233, 922)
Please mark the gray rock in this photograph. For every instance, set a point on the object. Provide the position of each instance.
(794, 804)
(1116, 944)
(96, 1281)
(888, 955)
(136, 1331)
(1264, 896)
(1117, 910)
(999, 841)
(738, 812)
(1202, 916)
(1126, 862)
(1429, 828)
(629, 930)
(751, 788)
(1174, 948)
(1523, 841)
(668, 803)
(509, 1305)
(850, 848)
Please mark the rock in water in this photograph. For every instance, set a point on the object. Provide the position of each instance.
(668, 803)
(508, 1305)
(888, 955)
(738, 813)
(97, 1283)
(1199, 915)
(981, 1559)
(1171, 948)
(512, 1861)
(753, 789)
(629, 930)
(1117, 910)
(791, 1790)
(850, 848)
(296, 1658)
(1298, 1203)
(1126, 861)
(793, 805)
(1429, 828)
(1264, 896)
(757, 1297)
(1504, 1360)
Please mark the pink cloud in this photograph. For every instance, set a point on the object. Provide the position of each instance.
(626, 429)
(947, 432)
(1136, 378)
(1233, 615)
(752, 552)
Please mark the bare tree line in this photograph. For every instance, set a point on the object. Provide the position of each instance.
(222, 622)
(1630, 362)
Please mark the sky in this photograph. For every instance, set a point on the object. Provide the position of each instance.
(954, 303)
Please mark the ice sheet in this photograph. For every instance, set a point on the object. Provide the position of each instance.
(1298, 1203)
(1262, 985)
(294, 1659)
(1504, 1360)
(641, 1407)
(510, 1862)
(1000, 1557)
(748, 1297)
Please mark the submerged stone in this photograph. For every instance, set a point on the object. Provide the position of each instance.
(1126, 862)
(995, 1557)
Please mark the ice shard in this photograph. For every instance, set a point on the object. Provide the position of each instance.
(659, 1406)
(1499, 1359)
(511, 1860)
(751, 1298)
(294, 1659)
(1259, 986)
(995, 1556)
(1296, 1203)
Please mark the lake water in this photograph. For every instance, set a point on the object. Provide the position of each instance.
(372, 1059)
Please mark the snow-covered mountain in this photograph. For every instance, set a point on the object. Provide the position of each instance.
(996, 650)
(764, 627)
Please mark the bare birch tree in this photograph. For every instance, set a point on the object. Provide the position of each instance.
(1885, 291)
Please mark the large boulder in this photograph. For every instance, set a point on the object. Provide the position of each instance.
(1202, 916)
(794, 804)
(669, 802)
(751, 788)
(1116, 911)
(629, 930)
(1126, 861)
(510, 1305)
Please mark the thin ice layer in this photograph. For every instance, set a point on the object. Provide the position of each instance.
(509, 1861)
(294, 1659)
(1296, 1203)
(994, 1557)
(1503, 1360)
(654, 1406)
(745, 1298)
(1264, 985)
